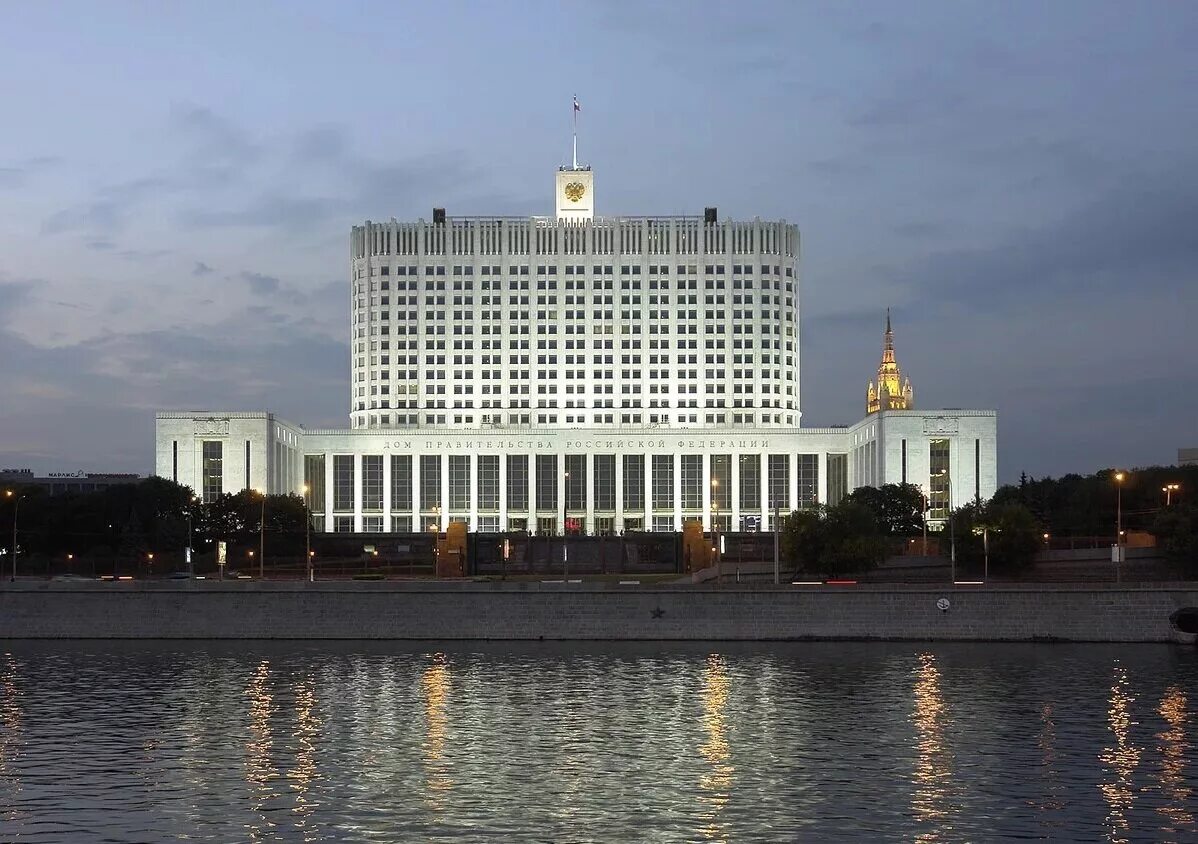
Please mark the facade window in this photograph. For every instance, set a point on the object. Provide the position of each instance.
(546, 483)
(488, 482)
(343, 524)
(372, 483)
(692, 482)
(343, 482)
(663, 483)
(808, 481)
(314, 481)
(459, 482)
(372, 524)
(490, 524)
(401, 482)
(634, 482)
(939, 479)
(576, 481)
(605, 485)
(779, 482)
(838, 478)
(213, 470)
(517, 482)
(430, 482)
(721, 482)
(750, 481)
(663, 524)
(402, 524)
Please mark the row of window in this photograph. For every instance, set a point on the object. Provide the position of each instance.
(467, 270)
(540, 482)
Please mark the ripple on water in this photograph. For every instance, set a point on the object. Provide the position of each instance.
(590, 742)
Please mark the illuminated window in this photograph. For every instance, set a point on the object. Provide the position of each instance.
(750, 481)
(488, 482)
(459, 482)
(401, 482)
(808, 481)
(343, 482)
(213, 471)
(372, 482)
(634, 481)
(517, 482)
(663, 482)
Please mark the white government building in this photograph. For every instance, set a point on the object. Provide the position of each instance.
(598, 374)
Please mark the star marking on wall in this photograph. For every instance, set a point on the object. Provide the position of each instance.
(657, 612)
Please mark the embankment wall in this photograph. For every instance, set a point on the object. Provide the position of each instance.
(250, 610)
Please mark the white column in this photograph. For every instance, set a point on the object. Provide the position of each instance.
(328, 491)
(677, 458)
(589, 492)
(417, 522)
(444, 496)
(532, 492)
(619, 526)
(647, 465)
(357, 493)
(386, 492)
(560, 500)
(734, 479)
(473, 517)
(766, 512)
(706, 492)
(792, 481)
(503, 492)
(822, 486)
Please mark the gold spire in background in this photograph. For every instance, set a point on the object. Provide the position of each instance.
(892, 391)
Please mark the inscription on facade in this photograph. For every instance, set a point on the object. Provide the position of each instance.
(496, 444)
(212, 427)
(941, 425)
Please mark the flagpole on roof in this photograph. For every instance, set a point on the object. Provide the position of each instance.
(575, 131)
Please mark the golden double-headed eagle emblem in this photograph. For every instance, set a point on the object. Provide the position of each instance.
(574, 191)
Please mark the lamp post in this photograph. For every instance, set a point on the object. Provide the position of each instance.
(262, 537)
(1119, 476)
(1168, 490)
(565, 486)
(16, 506)
(715, 530)
(191, 570)
(308, 537)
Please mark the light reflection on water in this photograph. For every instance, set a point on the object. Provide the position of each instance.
(593, 742)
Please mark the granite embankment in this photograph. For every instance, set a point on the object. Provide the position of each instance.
(467, 610)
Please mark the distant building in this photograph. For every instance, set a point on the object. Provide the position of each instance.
(1187, 457)
(59, 483)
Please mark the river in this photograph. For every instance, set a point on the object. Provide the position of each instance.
(577, 742)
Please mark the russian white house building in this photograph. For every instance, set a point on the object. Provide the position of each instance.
(601, 374)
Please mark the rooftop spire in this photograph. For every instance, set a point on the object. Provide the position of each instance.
(892, 392)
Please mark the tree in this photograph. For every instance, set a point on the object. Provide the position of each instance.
(1010, 529)
(842, 539)
(1176, 529)
(898, 508)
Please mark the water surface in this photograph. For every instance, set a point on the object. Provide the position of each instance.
(597, 742)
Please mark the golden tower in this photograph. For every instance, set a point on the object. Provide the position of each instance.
(892, 391)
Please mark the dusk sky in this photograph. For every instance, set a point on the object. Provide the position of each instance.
(1017, 181)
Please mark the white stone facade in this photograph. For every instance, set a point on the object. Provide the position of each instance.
(600, 373)
(380, 480)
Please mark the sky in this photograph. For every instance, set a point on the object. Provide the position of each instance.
(1017, 181)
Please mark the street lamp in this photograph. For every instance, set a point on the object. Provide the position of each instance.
(8, 493)
(190, 564)
(565, 487)
(1168, 490)
(308, 536)
(262, 537)
(715, 528)
(1119, 476)
(150, 562)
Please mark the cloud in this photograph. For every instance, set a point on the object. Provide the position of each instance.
(18, 175)
(261, 285)
(200, 269)
(1135, 236)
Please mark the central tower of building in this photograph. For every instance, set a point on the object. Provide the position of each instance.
(575, 320)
